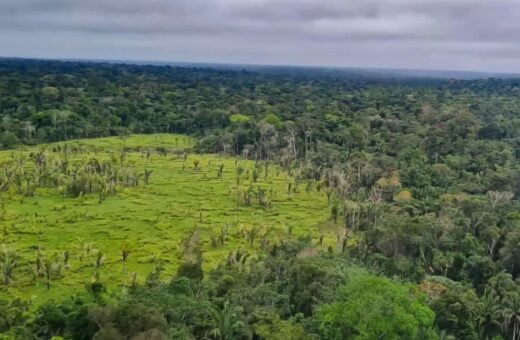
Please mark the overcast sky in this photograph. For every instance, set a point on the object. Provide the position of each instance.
(430, 34)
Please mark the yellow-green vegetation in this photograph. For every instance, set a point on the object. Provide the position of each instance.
(77, 226)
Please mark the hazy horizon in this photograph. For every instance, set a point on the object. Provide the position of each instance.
(416, 72)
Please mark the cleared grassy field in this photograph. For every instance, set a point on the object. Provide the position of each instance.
(184, 193)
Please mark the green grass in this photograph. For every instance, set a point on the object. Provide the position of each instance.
(151, 219)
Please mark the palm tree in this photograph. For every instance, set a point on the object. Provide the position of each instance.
(125, 251)
(66, 257)
(237, 258)
(85, 248)
(226, 323)
(220, 171)
(501, 283)
(512, 315)
(99, 260)
(47, 267)
(40, 160)
(51, 268)
(489, 319)
(8, 262)
(510, 253)
(146, 178)
(251, 234)
(238, 173)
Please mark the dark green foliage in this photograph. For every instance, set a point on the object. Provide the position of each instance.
(68, 319)
(191, 270)
(136, 319)
(457, 311)
(422, 179)
(50, 320)
(13, 316)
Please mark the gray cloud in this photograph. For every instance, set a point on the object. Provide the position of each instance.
(434, 34)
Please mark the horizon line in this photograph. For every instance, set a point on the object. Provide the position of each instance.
(144, 62)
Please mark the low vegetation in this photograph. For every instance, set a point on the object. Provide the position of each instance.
(113, 209)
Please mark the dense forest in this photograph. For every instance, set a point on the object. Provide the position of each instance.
(422, 177)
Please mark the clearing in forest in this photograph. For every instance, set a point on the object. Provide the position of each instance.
(116, 208)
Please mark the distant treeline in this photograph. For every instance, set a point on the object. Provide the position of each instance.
(42, 101)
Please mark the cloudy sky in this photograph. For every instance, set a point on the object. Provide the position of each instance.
(429, 34)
